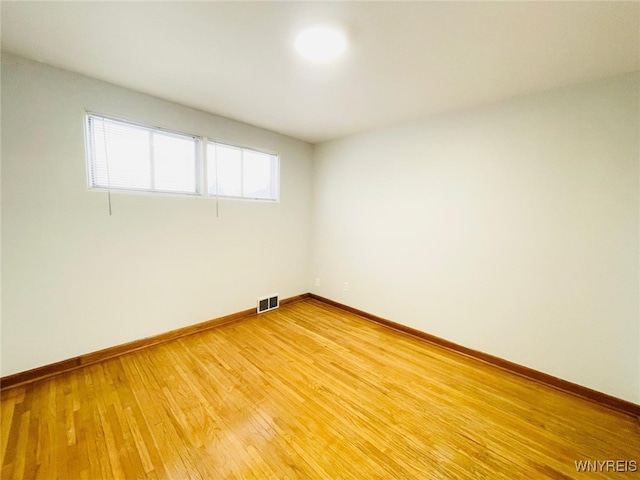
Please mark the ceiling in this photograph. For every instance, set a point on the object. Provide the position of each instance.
(405, 61)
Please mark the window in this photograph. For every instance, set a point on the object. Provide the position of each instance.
(126, 156)
(241, 172)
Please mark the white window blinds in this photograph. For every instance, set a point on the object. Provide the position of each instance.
(127, 156)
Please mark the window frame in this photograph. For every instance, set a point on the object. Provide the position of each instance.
(90, 163)
(274, 173)
(201, 163)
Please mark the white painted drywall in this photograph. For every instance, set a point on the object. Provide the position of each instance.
(76, 280)
(510, 229)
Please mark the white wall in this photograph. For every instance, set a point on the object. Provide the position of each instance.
(76, 280)
(511, 229)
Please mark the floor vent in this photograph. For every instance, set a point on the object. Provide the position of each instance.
(268, 303)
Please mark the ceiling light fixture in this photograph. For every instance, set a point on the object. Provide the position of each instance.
(321, 43)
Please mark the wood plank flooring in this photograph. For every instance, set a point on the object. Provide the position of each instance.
(304, 392)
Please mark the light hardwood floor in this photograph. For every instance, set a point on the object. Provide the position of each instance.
(304, 392)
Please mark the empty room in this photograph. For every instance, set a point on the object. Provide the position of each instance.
(320, 240)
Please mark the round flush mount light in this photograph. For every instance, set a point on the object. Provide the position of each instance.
(321, 43)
